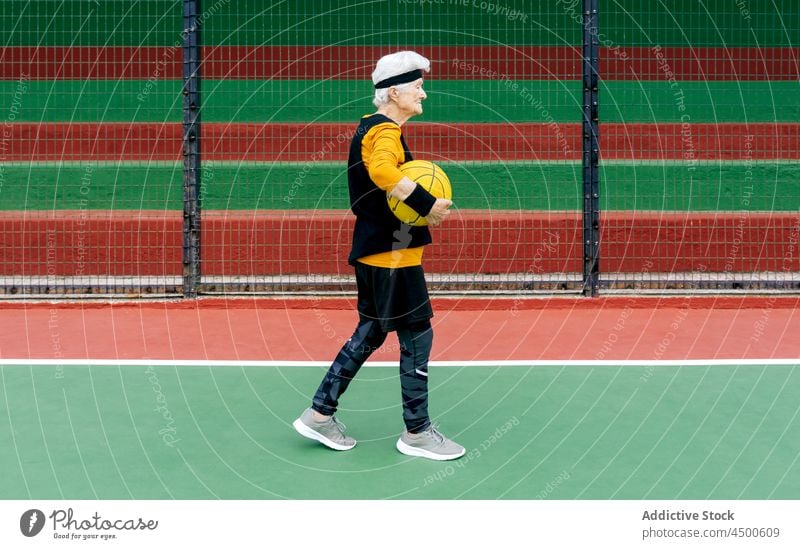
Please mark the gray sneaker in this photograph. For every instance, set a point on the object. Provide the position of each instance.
(430, 444)
(329, 432)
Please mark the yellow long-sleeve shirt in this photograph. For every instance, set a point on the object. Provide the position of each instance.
(382, 154)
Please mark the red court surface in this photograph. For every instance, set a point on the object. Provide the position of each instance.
(555, 328)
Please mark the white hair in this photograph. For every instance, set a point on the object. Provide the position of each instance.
(392, 65)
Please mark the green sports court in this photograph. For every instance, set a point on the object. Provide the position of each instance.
(621, 414)
(561, 432)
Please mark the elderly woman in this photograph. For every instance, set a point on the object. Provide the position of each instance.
(387, 257)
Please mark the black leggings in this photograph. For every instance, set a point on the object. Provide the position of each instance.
(416, 341)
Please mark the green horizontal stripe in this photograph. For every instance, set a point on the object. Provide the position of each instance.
(92, 22)
(448, 101)
(624, 186)
(649, 101)
(401, 23)
(92, 101)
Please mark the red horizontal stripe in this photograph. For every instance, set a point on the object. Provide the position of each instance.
(702, 64)
(74, 243)
(700, 141)
(357, 62)
(457, 142)
(90, 63)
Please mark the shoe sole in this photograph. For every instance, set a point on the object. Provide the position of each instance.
(308, 432)
(404, 448)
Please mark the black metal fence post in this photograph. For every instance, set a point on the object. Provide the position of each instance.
(191, 147)
(591, 151)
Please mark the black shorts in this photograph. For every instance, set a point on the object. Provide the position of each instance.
(396, 298)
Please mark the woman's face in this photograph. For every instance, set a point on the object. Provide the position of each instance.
(409, 98)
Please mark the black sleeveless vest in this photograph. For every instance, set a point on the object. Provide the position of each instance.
(377, 230)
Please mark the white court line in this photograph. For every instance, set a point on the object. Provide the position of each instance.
(379, 364)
